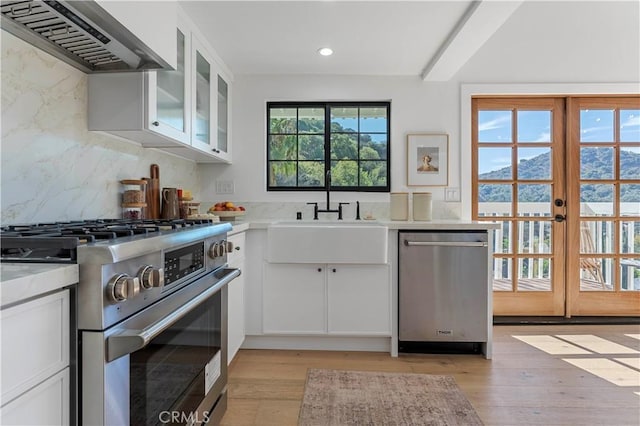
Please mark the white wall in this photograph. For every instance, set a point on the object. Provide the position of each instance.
(53, 168)
(543, 42)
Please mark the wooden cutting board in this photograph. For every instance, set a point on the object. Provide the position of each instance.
(153, 193)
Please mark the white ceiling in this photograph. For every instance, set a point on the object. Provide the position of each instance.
(368, 37)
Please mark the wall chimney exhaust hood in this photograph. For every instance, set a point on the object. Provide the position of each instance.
(81, 33)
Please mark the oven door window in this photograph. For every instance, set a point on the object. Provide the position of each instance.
(167, 377)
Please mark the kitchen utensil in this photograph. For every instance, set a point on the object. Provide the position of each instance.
(153, 193)
(170, 203)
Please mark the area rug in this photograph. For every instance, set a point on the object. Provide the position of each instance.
(344, 398)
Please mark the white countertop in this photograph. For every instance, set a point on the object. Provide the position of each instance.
(20, 281)
(391, 224)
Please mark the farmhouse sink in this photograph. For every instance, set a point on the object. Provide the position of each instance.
(327, 242)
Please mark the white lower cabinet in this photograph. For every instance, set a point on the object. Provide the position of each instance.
(339, 299)
(35, 361)
(235, 297)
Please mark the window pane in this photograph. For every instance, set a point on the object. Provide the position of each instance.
(596, 237)
(373, 146)
(373, 173)
(344, 173)
(311, 173)
(373, 119)
(534, 126)
(282, 120)
(534, 237)
(282, 147)
(494, 199)
(502, 274)
(630, 274)
(596, 274)
(344, 119)
(596, 163)
(596, 125)
(630, 125)
(535, 274)
(344, 146)
(534, 163)
(494, 163)
(311, 147)
(629, 237)
(311, 120)
(494, 126)
(282, 173)
(630, 200)
(534, 200)
(630, 162)
(596, 200)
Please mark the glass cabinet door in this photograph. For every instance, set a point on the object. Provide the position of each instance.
(167, 95)
(201, 137)
(223, 115)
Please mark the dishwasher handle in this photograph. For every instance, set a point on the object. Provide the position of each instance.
(446, 243)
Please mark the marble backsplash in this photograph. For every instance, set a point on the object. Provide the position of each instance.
(53, 168)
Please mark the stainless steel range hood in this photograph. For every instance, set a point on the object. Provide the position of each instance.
(80, 33)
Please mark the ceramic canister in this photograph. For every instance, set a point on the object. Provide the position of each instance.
(399, 206)
(421, 206)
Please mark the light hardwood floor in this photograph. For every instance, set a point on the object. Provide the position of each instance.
(522, 384)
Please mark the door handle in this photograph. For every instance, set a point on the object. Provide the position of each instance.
(560, 218)
(446, 243)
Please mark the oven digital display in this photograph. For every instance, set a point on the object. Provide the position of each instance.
(182, 262)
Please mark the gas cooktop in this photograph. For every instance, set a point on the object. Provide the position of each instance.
(57, 242)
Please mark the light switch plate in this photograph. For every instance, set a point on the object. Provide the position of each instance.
(225, 187)
(452, 194)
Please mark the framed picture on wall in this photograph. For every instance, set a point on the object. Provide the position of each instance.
(428, 159)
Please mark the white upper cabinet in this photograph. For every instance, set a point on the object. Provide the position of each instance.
(184, 111)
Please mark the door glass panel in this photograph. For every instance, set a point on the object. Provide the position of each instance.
(596, 200)
(534, 200)
(630, 274)
(535, 237)
(282, 120)
(629, 162)
(534, 163)
(494, 200)
(223, 114)
(534, 126)
(311, 120)
(596, 274)
(502, 238)
(373, 120)
(596, 237)
(630, 200)
(535, 274)
(170, 92)
(630, 125)
(494, 126)
(502, 274)
(629, 237)
(494, 163)
(596, 125)
(203, 99)
(596, 163)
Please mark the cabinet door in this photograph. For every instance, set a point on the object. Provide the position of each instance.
(294, 299)
(359, 299)
(168, 93)
(203, 85)
(223, 122)
(236, 328)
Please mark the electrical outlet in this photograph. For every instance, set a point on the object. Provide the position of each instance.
(452, 194)
(225, 187)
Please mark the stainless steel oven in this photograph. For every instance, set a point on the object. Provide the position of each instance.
(164, 365)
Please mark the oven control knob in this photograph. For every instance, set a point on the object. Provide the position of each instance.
(122, 287)
(229, 246)
(217, 250)
(151, 277)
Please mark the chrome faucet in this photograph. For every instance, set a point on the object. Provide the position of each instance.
(328, 209)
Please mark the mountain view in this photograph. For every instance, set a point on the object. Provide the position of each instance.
(596, 163)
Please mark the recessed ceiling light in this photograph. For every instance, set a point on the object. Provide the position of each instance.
(325, 51)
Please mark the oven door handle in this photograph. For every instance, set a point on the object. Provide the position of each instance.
(128, 341)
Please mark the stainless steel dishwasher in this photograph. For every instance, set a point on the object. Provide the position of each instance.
(443, 292)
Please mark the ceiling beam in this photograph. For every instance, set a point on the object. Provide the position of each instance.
(479, 22)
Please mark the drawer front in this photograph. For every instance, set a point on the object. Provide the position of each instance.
(238, 241)
(35, 342)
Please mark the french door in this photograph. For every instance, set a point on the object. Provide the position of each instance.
(562, 178)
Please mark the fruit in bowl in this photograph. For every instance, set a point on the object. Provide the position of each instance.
(225, 206)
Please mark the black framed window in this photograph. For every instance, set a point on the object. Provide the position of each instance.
(305, 140)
